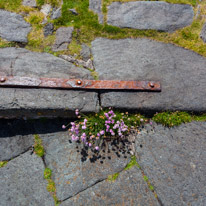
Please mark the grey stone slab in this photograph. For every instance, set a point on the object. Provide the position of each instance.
(13, 27)
(70, 174)
(31, 3)
(174, 160)
(203, 33)
(180, 71)
(96, 7)
(22, 182)
(11, 147)
(85, 52)
(128, 189)
(28, 102)
(63, 38)
(155, 15)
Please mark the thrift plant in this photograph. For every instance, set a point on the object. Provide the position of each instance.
(93, 130)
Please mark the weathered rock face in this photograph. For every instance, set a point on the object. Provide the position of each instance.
(56, 13)
(180, 71)
(157, 15)
(13, 27)
(63, 38)
(174, 160)
(48, 29)
(128, 189)
(31, 3)
(96, 7)
(70, 174)
(22, 182)
(203, 33)
(46, 102)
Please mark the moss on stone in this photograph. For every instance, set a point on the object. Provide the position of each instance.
(47, 173)
(171, 119)
(133, 162)
(38, 147)
(3, 163)
(113, 177)
(51, 187)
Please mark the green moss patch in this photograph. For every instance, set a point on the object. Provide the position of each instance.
(113, 177)
(38, 147)
(171, 119)
(133, 162)
(51, 187)
(3, 163)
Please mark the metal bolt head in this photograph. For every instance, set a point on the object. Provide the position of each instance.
(151, 85)
(2, 79)
(79, 82)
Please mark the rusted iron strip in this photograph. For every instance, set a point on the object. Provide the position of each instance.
(58, 83)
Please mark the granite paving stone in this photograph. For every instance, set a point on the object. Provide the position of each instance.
(13, 27)
(128, 189)
(174, 161)
(22, 182)
(181, 73)
(155, 15)
(63, 38)
(20, 102)
(72, 175)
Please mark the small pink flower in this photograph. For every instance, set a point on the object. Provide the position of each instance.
(90, 144)
(63, 127)
(77, 112)
(102, 132)
(97, 148)
(84, 127)
(141, 120)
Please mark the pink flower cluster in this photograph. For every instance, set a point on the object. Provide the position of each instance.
(113, 127)
(79, 131)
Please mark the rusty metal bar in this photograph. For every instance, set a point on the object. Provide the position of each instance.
(58, 83)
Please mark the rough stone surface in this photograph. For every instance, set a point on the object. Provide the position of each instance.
(86, 64)
(31, 3)
(157, 15)
(46, 9)
(63, 38)
(85, 52)
(22, 182)
(48, 29)
(28, 102)
(174, 161)
(180, 71)
(128, 189)
(203, 33)
(71, 176)
(96, 7)
(56, 13)
(11, 147)
(13, 27)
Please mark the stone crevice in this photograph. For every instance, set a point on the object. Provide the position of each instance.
(25, 151)
(97, 182)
